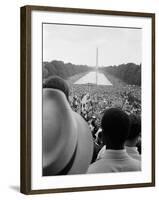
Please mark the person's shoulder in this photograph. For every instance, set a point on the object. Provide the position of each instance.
(136, 157)
(95, 167)
(136, 164)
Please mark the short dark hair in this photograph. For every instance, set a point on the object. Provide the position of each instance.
(115, 125)
(56, 82)
(135, 126)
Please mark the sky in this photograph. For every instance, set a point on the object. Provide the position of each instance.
(78, 44)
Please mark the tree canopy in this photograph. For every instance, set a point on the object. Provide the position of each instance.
(64, 70)
(129, 73)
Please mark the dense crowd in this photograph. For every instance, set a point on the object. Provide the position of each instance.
(99, 98)
(128, 98)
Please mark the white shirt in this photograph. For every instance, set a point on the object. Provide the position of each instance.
(115, 161)
(133, 152)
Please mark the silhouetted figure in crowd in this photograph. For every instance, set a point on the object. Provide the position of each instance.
(115, 126)
(134, 137)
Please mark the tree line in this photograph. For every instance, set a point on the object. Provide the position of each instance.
(64, 70)
(129, 73)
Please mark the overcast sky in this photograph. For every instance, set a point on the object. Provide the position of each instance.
(77, 44)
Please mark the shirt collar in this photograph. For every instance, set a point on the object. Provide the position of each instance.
(131, 150)
(115, 154)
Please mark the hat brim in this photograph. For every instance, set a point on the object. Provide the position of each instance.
(84, 149)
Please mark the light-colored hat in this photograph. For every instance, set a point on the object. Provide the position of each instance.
(67, 140)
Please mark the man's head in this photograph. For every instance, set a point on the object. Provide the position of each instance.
(115, 125)
(134, 131)
(56, 82)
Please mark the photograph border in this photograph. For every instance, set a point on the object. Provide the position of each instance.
(25, 94)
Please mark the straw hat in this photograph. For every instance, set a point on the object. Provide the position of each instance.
(67, 140)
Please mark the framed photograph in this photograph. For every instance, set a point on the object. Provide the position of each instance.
(87, 99)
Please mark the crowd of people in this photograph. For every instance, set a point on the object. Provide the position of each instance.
(113, 115)
(127, 97)
(99, 98)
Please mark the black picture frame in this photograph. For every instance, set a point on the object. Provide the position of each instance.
(26, 85)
